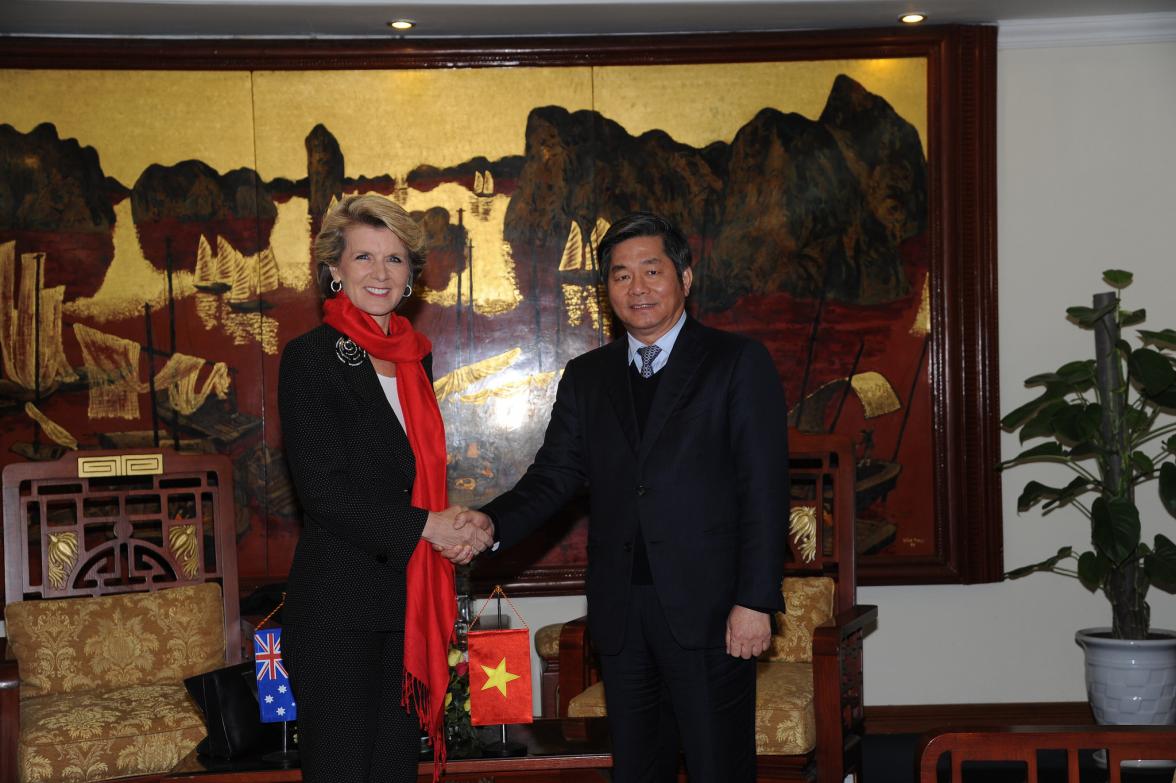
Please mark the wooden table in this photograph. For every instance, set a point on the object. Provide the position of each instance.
(568, 750)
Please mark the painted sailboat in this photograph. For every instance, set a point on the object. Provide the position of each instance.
(579, 254)
(112, 365)
(214, 271)
(575, 258)
(255, 276)
(599, 229)
(483, 183)
(400, 190)
(30, 329)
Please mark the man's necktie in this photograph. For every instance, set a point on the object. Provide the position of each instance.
(648, 353)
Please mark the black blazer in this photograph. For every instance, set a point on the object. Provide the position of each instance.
(353, 471)
(708, 482)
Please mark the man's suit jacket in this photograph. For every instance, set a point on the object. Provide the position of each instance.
(353, 471)
(706, 484)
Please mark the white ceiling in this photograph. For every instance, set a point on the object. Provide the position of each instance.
(367, 18)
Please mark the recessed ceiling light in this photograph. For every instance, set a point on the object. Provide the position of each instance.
(913, 18)
(402, 24)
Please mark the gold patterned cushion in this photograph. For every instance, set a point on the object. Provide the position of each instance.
(808, 602)
(547, 641)
(73, 644)
(784, 719)
(98, 735)
(785, 722)
(588, 703)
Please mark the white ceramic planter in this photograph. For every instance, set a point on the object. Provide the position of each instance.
(1130, 682)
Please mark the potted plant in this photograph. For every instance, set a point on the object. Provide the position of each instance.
(1111, 421)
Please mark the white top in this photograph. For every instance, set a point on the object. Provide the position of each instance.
(389, 387)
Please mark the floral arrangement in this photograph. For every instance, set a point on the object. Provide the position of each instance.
(461, 740)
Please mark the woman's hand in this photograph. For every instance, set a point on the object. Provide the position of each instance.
(457, 541)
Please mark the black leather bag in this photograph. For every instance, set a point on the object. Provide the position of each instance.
(228, 699)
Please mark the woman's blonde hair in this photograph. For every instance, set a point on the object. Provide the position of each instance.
(369, 209)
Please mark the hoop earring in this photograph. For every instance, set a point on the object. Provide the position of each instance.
(336, 286)
(407, 290)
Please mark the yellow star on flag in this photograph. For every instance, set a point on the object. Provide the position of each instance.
(498, 677)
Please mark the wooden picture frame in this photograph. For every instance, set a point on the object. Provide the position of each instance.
(961, 353)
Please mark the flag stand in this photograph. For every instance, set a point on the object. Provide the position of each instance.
(503, 748)
(284, 757)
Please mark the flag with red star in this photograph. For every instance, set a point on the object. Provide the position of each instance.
(500, 677)
(273, 685)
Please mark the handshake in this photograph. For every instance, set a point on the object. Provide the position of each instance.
(459, 533)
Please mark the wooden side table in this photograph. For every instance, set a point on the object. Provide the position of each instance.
(570, 750)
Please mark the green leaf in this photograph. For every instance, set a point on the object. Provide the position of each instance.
(1072, 424)
(1117, 278)
(1153, 371)
(1076, 487)
(1034, 492)
(1162, 339)
(1137, 420)
(1114, 527)
(1022, 414)
(1079, 375)
(1093, 422)
(1161, 565)
(1043, 422)
(1050, 449)
(1092, 570)
(1170, 444)
(1168, 486)
(1142, 462)
(1085, 450)
(1132, 317)
(1045, 565)
(1165, 399)
(1087, 317)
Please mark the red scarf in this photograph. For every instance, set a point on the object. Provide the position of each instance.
(432, 603)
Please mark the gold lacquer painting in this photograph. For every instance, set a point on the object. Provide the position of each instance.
(155, 230)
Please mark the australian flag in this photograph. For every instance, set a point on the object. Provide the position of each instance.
(273, 684)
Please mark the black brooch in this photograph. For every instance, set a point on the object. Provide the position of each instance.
(349, 353)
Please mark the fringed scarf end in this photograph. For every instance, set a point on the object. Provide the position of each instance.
(415, 698)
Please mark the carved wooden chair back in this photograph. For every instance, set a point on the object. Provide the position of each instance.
(98, 523)
(821, 472)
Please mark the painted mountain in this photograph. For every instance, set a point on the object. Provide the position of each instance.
(789, 205)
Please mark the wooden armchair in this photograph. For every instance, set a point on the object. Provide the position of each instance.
(1027, 745)
(809, 710)
(120, 580)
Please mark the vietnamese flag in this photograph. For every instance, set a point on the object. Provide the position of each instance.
(500, 676)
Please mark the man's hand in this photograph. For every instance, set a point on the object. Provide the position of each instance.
(457, 541)
(749, 632)
(461, 555)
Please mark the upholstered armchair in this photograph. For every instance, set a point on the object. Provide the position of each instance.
(809, 710)
(120, 581)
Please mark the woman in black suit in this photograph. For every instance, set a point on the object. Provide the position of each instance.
(370, 604)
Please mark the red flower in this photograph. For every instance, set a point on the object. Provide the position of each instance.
(462, 668)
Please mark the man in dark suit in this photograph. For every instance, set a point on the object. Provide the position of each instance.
(680, 433)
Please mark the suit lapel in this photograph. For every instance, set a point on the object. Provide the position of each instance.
(689, 351)
(616, 381)
(362, 379)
